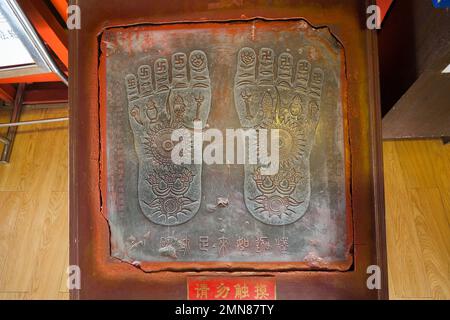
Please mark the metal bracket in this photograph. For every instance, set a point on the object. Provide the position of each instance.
(4, 140)
(28, 123)
(11, 134)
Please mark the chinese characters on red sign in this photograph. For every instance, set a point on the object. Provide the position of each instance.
(232, 288)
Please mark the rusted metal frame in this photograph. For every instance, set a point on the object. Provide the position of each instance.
(48, 28)
(11, 134)
(105, 275)
(7, 92)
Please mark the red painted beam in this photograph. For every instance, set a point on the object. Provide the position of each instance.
(384, 7)
(48, 27)
(7, 92)
(44, 77)
(40, 93)
(61, 7)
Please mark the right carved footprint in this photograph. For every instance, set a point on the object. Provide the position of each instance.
(169, 194)
(290, 102)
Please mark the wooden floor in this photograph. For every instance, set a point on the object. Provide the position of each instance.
(417, 192)
(34, 211)
(34, 215)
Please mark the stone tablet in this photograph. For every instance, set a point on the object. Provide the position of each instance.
(284, 75)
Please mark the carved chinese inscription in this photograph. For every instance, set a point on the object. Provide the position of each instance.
(287, 77)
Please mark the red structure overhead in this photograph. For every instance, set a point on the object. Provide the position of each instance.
(384, 6)
(55, 37)
(48, 28)
(61, 7)
(7, 92)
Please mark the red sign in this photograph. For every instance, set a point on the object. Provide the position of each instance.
(231, 288)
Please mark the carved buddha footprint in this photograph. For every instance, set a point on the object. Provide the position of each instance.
(287, 99)
(169, 194)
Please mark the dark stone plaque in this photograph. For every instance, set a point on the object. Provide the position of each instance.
(262, 75)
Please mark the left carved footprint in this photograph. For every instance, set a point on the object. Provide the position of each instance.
(169, 194)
